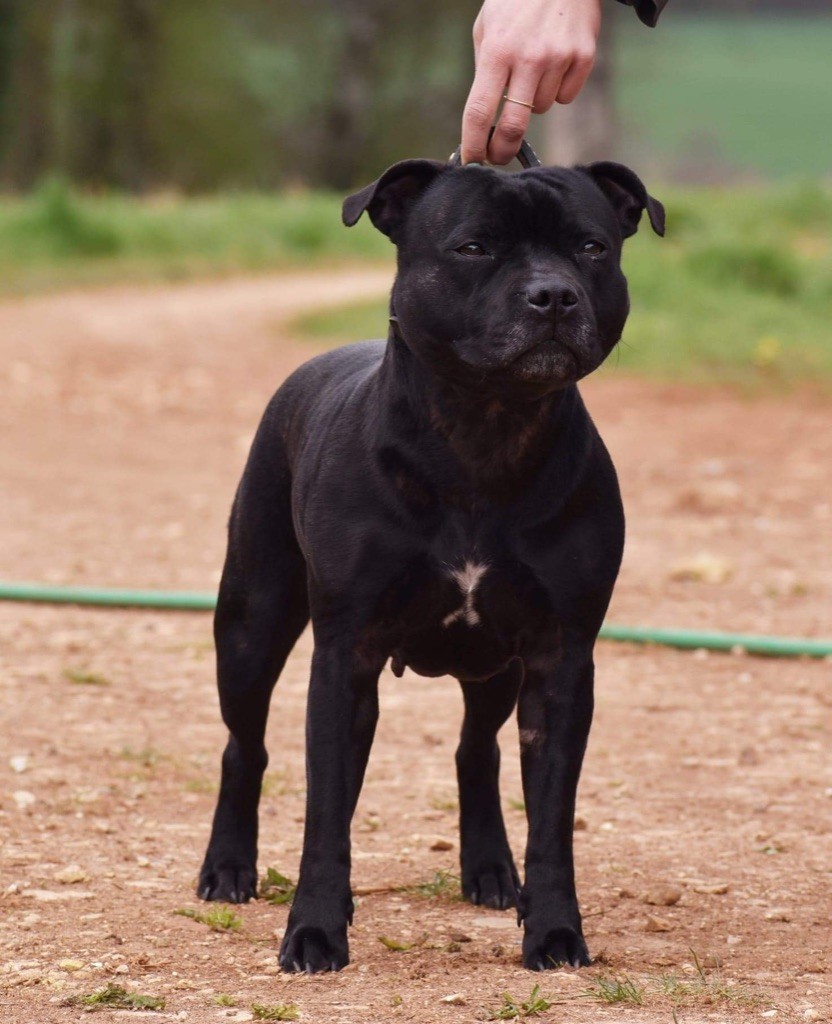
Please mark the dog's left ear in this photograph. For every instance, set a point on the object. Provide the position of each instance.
(387, 199)
(628, 196)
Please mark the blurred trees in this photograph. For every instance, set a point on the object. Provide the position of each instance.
(204, 94)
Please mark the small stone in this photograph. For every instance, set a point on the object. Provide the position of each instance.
(626, 894)
(71, 874)
(23, 798)
(712, 889)
(580, 824)
(71, 965)
(454, 999)
(778, 914)
(734, 940)
(122, 969)
(19, 764)
(657, 924)
(664, 896)
(810, 1013)
(440, 844)
(769, 1013)
(460, 937)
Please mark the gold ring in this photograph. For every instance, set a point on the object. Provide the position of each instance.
(522, 103)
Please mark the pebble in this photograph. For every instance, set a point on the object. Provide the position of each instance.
(440, 844)
(19, 763)
(71, 874)
(657, 924)
(714, 889)
(71, 965)
(454, 999)
(23, 798)
(664, 896)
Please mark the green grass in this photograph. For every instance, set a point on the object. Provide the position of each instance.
(115, 997)
(219, 918)
(743, 94)
(81, 677)
(739, 292)
(280, 1011)
(58, 238)
(514, 1009)
(617, 990)
(443, 885)
(275, 888)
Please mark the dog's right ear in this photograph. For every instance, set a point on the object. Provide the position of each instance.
(388, 198)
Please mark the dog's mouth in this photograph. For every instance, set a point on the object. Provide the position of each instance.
(548, 345)
(555, 359)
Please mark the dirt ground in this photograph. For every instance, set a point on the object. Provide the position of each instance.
(705, 802)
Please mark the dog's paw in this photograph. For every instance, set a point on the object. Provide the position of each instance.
(493, 884)
(312, 949)
(227, 883)
(559, 947)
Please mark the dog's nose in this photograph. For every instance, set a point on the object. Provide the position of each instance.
(551, 297)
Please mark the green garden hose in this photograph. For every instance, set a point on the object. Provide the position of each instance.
(198, 601)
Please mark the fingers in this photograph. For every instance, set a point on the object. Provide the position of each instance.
(481, 109)
(514, 119)
(576, 75)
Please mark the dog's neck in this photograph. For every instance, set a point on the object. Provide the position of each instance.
(500, 442)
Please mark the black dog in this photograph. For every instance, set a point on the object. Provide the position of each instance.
(441, 499)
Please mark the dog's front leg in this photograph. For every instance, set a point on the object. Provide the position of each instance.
(554, 715)
(341, 717)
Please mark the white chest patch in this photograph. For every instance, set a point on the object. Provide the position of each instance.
(467, 579)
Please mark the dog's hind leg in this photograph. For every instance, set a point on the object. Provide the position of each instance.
(489, 876)
(261, 611)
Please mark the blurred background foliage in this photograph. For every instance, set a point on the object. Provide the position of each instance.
(207, 94)
(200, 95)
(145, 140)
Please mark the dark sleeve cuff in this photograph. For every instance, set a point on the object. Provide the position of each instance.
(647, 10)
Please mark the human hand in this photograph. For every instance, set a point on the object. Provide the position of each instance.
(535, 51)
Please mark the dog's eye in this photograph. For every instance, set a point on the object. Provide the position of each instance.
(471, 249)
(593, 248)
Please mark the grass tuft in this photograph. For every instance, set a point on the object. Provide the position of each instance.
(117, 998)
(708, 988)
(84, 678)
(443, 885)
(513, 1009)
(617, 990)
(279, 1011)
(275, 888)
(219, 918)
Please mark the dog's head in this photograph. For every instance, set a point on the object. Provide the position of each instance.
(508, 281)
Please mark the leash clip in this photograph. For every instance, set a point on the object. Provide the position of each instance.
(526, 157)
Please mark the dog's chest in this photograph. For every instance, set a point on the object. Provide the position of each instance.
(468, 616)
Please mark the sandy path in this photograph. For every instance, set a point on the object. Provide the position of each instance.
(124, 420)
